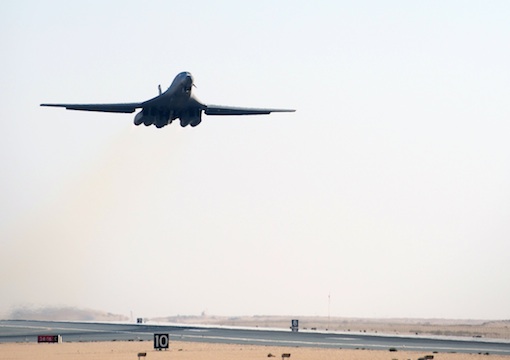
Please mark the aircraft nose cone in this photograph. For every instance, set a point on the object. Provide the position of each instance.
(188, 82)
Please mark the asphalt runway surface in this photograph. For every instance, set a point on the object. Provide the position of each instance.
(27, 331)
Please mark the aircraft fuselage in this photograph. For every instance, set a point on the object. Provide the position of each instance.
(177, 102)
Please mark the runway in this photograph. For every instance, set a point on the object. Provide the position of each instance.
(27, 331)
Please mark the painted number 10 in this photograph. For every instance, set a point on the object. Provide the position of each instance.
(161, 341)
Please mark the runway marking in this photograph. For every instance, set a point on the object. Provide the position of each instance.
(355, 345)
(24, 326)
(196, 330)
(46, 328)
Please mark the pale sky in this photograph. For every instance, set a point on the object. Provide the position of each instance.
(388, 189)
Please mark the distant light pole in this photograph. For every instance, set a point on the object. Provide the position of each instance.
(329, 309)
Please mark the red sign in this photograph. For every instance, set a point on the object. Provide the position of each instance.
(47, 338)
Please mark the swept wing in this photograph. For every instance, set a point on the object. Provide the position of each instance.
(112, 108)
(232, 110)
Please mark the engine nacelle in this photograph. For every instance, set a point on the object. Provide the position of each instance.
(191, 117)
(142, 118)
(196, 121)
(139, 118)
(148, 117)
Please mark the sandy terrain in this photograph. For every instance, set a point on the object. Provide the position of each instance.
(199, 351)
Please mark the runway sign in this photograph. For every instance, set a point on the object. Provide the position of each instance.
(161, 341)
(294, 325)
(49, 339)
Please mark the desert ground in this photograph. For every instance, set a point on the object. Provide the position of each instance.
(202, 351)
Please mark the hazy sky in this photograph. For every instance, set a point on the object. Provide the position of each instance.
(388, 189)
